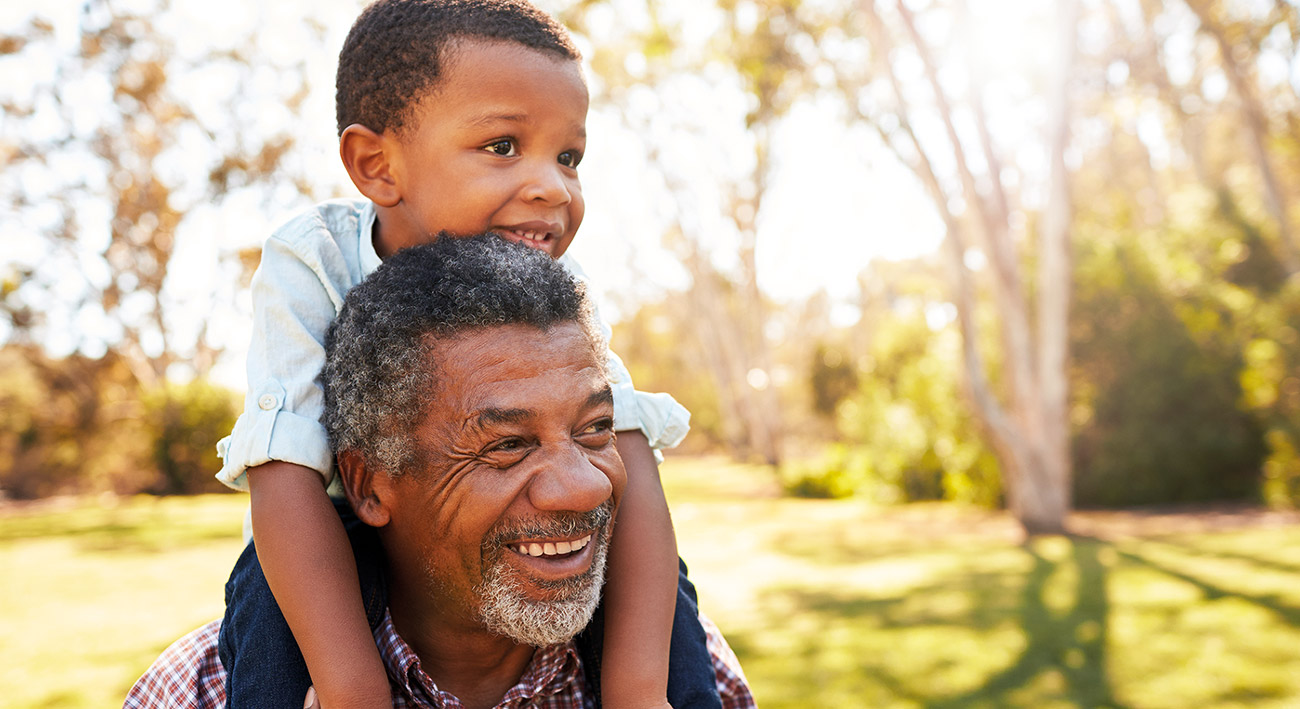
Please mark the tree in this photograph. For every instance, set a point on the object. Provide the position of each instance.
(124, 139)
(1027, 424)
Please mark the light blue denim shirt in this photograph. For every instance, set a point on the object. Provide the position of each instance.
(308, 266)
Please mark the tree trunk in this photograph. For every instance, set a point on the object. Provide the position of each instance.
(1030, 431)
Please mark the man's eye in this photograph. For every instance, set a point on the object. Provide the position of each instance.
(504, 148)
(569, 158)
(598, 433)
(509, 444)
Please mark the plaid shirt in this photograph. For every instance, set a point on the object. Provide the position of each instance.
(189, 675)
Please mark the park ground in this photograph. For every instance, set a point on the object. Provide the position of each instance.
(827, 603)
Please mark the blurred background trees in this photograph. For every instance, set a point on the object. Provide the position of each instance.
(1095, 303)
(120, 138)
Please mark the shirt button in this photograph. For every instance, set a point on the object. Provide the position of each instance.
(267, 402)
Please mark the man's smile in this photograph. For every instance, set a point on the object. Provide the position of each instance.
(543, 563)
(552, 548)
(547, 551)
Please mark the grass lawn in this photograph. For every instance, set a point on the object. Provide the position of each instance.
(828, 603)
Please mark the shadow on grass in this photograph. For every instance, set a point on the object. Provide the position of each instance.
(1285, 613)
(1257, 561)
(969, 639)
(1071, 645)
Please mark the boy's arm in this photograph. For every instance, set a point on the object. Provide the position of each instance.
(280, 452)
(641, 593)
(308, 564)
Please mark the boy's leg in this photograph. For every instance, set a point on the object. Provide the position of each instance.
(264, 667)
(691, 680)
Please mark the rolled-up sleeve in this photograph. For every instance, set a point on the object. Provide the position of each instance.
(663, 421)
(297, 291)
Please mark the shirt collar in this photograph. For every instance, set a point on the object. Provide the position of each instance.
(366, 219)
(551, 671)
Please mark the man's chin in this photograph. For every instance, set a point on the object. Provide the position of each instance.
(541, 613)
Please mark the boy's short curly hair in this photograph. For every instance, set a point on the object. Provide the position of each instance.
(393, 54)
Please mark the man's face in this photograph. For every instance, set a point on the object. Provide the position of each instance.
(504, 521)
(495, 147)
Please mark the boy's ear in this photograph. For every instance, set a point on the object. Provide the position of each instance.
(368, 158)
(368, 490)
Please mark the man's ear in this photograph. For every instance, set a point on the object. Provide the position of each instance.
(368, 489)
(368, 157)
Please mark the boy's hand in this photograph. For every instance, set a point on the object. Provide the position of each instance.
(660, 704)
(312, 701)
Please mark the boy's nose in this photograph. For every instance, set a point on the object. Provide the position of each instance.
(548, 184)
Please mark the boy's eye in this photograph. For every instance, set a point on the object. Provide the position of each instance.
(504, 148)
(570, 158)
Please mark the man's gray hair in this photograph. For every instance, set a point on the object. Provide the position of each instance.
(378, 376)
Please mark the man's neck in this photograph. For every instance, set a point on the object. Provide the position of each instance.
(463, 659)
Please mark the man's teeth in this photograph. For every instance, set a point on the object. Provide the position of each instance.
(530, 235)
(552, 549)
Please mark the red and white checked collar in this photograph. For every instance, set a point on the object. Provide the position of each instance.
(189, 675)
(552, 680)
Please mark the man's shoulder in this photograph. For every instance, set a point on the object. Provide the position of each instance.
(188, 674)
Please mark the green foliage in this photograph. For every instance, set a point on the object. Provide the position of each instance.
(1156, 391)
(832, 378)
(1282, 470)
(1271, 384)
(907, 435)
(183, 424)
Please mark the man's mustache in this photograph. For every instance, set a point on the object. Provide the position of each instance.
(560, 524)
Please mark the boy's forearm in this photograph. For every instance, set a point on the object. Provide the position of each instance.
(641, 593)
(308, 563)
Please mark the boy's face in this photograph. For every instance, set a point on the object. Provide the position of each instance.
(495, 147)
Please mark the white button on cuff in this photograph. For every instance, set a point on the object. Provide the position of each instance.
(268, 401)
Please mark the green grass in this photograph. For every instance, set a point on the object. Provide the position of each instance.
(828, 603)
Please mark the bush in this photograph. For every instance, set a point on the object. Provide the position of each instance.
(908, 434)
(81, 425)
(1282, 470)
(1156, 410)
(184, 423)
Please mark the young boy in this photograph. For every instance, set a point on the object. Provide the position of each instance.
(461, 116)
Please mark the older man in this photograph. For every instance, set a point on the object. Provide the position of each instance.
(472, 421)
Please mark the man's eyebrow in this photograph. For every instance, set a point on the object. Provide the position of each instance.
(494, 415)
(604, 395)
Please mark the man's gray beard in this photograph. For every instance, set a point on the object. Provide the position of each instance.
(507, 612)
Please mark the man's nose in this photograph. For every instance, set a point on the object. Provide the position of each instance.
(569, 482)
(548, 184)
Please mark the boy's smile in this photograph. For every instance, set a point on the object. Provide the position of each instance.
(495, 146)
